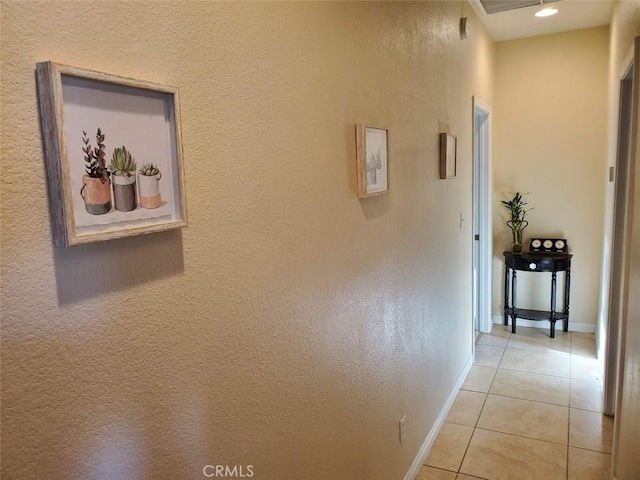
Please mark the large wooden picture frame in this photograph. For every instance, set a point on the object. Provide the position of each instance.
(113, 155)
(372, 160)
(448, 155)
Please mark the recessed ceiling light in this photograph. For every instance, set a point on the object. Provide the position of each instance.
(546, 12)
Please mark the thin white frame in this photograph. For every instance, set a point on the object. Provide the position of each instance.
(363, 190)
(49, 76)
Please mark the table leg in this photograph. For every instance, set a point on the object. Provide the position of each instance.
(514, 296)
(554, 279)
(567, 286)
(506, 294)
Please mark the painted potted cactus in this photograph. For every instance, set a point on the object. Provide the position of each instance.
(149, 177)
(123, 173)
(96, 186)
(373, 165)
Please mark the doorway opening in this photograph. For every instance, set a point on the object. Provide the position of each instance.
(482, 238)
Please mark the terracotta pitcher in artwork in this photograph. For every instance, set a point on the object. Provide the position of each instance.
(96, 194)
(96, 186)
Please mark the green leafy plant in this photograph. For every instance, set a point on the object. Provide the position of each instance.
(518, 211)
(94, 158)
(122, 162)
(150, 170)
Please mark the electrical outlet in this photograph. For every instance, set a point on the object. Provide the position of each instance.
(403, 429)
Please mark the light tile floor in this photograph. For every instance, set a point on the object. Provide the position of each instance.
(530, 409)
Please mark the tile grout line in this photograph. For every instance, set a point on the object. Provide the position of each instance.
(522, 436)
(441, 469)
(467, 449)
(536, 373)
(526, 438)
(478, 419)
(590, 450)
(533, 401)
(541, 374)
(540, 350)
(587, 410)
(569, 419)
(475, 427)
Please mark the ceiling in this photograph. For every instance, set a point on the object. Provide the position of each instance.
(521, 22)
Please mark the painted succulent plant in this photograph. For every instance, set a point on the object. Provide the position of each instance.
(94, 158)
(122, 162)
(150, 170)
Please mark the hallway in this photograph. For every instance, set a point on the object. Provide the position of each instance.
(530, 409)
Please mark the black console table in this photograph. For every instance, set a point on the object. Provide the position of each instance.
(536, 262)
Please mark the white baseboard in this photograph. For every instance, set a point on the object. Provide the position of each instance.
(428, 443)
(573, 326)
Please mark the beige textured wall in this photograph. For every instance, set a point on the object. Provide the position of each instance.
(625, 26)
(290, 325)
(550, 140)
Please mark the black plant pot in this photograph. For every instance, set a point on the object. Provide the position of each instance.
(124, 193)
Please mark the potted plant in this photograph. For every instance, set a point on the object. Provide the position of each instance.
(149, 177)
(517, 223)
(123, 171)
(96, 187)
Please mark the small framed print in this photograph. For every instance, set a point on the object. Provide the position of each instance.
(448, 154)
(113, 155)
(372, 159)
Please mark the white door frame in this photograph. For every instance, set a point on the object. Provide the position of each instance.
(483, 239)
(617, 237)
(628, 282)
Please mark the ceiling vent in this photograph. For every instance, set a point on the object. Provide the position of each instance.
(497, 6)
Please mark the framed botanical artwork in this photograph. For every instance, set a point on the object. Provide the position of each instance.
(113, 155)
(448, 154)
(372, 159)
